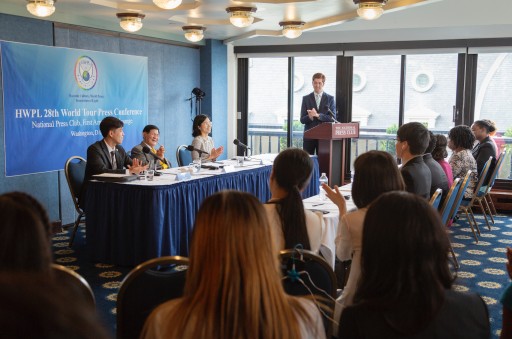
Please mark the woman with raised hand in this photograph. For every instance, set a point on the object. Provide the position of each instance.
(233, 286)
(291, 223)
(405, 286)
(375, 172)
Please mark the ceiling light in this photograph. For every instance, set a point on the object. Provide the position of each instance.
(241, 16)
(130, 22)
(167, 4)
(292, 29)
(370, 9)
(41, 8)
(194, 33)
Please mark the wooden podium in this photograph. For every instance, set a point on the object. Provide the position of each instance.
(331, 147)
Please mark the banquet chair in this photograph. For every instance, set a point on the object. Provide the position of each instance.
(144, 288)
(183, 156)
(74, 169)
(446, 211)
(466, 206)
(487, 188)
(307, 274)
(69, 279)
(435, 199)
(458, 201)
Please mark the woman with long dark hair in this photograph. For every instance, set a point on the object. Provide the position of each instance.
(292, 224)
(405, 286)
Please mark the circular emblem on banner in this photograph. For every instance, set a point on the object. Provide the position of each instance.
(86, 72)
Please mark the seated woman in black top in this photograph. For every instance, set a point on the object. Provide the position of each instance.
(405, 286)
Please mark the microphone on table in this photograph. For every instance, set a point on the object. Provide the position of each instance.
(192, 148)
(332, 114)
(147, 150)
(241, 144)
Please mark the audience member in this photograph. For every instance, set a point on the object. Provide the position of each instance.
(369, 170)
(439, 179)
(405, 286)
(107, 155)
(201, 127)
(440, 154)
(150, 136)
(492, 136)
(506, 301)
(315, 110)
(461, 141)
(33, 305)
(412, 140)
(233, 287)
(290, 222)
(485, 147)
(24, 234)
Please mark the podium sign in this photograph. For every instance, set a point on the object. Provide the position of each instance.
(331, 147)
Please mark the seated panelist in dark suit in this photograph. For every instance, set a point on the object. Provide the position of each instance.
(412, 141)
(439, 179)
(485, 147)
(107, 155)
(315, 110)
(150, 137)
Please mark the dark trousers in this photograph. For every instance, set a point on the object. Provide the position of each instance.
(310, 146)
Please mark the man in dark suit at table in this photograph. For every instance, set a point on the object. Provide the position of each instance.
(150, 137)
(107, 155)
(411, 143)
(315, 110)
(439, 179)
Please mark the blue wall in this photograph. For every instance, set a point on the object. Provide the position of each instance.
(173, 72)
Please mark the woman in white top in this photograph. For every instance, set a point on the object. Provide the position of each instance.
(291, 223)
(375, 172)
(201, 127)
(233, 286)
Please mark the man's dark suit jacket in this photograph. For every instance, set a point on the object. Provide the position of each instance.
(439, 179)
(481, 152)
(309, 102)
(146, 157)
(98, 161)
(417, 177)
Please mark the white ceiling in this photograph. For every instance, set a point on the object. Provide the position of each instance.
(326, 20)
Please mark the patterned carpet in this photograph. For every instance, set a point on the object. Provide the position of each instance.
(482, 267)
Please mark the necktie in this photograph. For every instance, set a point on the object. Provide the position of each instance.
(318, 97)
(113, 159)
(162, 164)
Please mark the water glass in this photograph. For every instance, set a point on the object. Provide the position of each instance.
(150, 174)
(195, 165)
(239, 161)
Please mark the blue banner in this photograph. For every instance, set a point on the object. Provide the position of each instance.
(55, 99)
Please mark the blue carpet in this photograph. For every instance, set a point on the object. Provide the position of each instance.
(482, 267)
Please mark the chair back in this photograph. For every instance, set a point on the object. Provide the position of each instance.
(144, 288)
(495, 172)
(479, 191)
(183, 156)
(74, 169)
(435, 200)
(450, 200)
(316, 274)
(71, 280)
(460, 195)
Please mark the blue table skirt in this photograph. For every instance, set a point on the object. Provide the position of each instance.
(129, 224)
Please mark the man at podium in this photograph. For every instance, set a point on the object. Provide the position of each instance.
(317, 107)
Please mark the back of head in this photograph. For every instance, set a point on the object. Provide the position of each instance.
(461, 136)
(292, 172)
(375, 172)
(24, 234)
(431, 143)
(416, 135)
(404, 260)
(233, 287)
(35, 306)
(108, 124)
(198, 120)
(439, 152)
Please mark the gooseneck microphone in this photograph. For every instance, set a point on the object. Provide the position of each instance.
(332, 114)
(241, 144)
(147, 150)
(192, 148)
